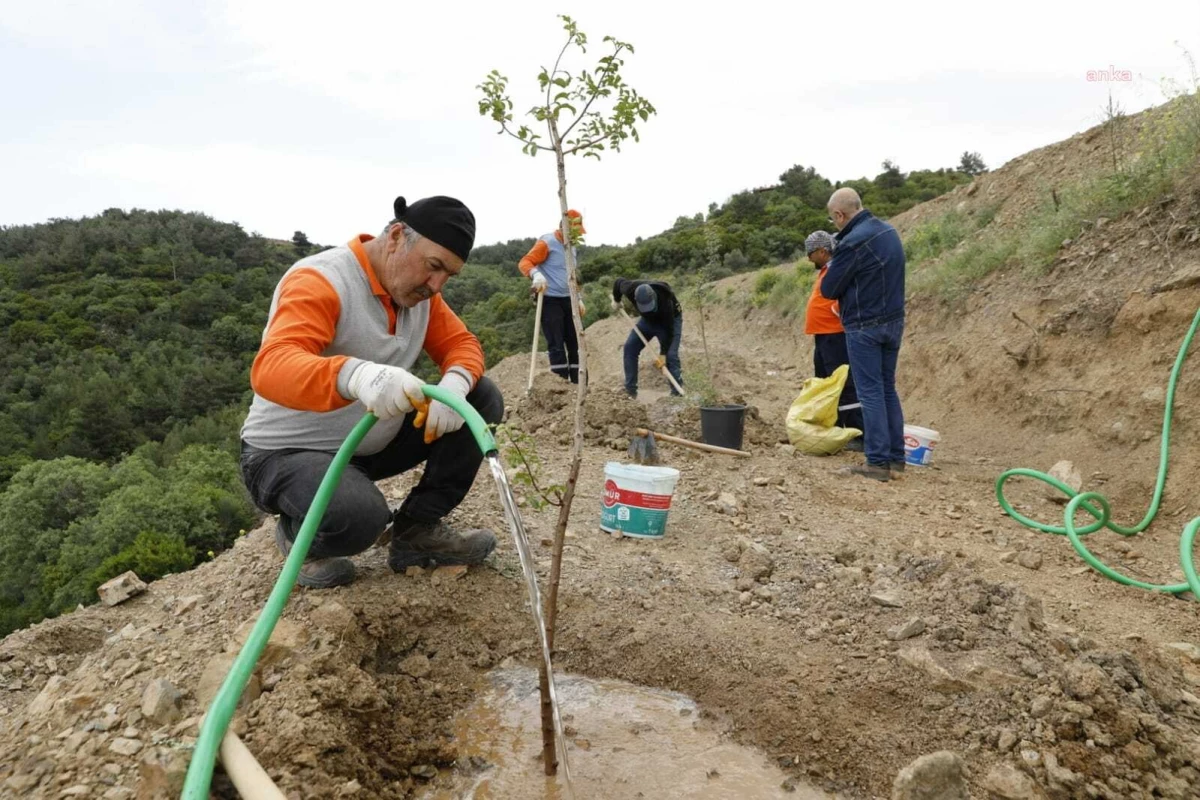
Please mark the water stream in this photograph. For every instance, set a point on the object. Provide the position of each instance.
(535, 602)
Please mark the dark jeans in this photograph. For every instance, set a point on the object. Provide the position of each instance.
(284, 482)
(873, 355)
(668, 346)
(559, 329)
(829, 353)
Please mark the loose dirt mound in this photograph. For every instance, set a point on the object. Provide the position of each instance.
(548, 411)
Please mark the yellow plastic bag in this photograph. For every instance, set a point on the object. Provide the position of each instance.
(812, 419)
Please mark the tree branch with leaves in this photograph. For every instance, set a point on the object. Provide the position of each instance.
(584, 113)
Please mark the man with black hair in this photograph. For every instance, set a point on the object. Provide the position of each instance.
(344, 330)
(661, 317)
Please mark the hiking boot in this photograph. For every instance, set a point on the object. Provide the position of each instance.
(428, 544)
(855, 445)
(317, 573)
(897, 466)
(882, 474)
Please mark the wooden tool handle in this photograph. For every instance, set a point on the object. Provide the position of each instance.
(248, 776)
(645, 343)
(712, 448)
(671, 378)
(537, 329)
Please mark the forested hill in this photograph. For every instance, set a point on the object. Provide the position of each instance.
(120, 326)
(127, 339)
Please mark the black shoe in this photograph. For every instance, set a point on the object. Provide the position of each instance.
(855, 445)
(318, 573)
(427, 544)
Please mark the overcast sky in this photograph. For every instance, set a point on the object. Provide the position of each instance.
(314, 116)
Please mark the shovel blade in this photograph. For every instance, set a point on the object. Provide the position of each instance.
(643, 450)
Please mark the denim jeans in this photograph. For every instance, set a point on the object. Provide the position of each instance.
(668, 346)
(873, 354)
(284, 482)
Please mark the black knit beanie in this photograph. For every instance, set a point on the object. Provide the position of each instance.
(440, 219)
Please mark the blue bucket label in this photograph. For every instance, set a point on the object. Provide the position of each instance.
(919, 456)
(915, 452)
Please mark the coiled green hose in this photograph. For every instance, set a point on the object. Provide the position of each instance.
(1097, 505)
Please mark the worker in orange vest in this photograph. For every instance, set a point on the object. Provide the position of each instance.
(829, 338)
(546, 267)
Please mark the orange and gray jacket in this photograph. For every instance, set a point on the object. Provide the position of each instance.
(549, 256)
(329, 314)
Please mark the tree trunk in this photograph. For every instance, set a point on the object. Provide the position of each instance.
(549, 756)
(703, 336)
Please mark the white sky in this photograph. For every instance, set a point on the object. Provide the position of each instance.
(313, 116)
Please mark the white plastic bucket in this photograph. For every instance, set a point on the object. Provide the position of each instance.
(636, 499)
(919, 443)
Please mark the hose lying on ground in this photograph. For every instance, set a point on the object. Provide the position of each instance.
(1097, 505)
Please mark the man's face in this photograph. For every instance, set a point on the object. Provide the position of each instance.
(838, 218)
(414, 273)
(576, 229)
(819, 257)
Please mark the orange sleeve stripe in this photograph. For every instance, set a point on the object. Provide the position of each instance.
(449, 343)
(289, 368)
(534, 257)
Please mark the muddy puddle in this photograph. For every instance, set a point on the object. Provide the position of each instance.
(625, 741)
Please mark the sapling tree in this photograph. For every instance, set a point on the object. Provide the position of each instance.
(581, 113)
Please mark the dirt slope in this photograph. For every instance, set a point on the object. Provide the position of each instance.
(844, 627)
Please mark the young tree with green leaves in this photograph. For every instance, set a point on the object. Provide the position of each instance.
(584, 114)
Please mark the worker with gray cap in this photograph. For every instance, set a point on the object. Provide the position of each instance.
(822, 322)
(344, 332)
(660, 317)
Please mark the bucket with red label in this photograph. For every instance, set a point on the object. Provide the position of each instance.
(636, 499)
(918, 444)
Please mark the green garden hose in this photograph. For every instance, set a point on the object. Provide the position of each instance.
(1097, 505)
(220, 712)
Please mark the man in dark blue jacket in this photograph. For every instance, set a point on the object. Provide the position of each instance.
(866, 277)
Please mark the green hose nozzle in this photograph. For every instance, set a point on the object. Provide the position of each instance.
(223, 706)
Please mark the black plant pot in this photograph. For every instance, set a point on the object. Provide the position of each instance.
(723, 425)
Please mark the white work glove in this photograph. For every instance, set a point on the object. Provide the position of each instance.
(539, 280)
(582, 309)
(616, 305)
(387, 391)
(442, 419)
